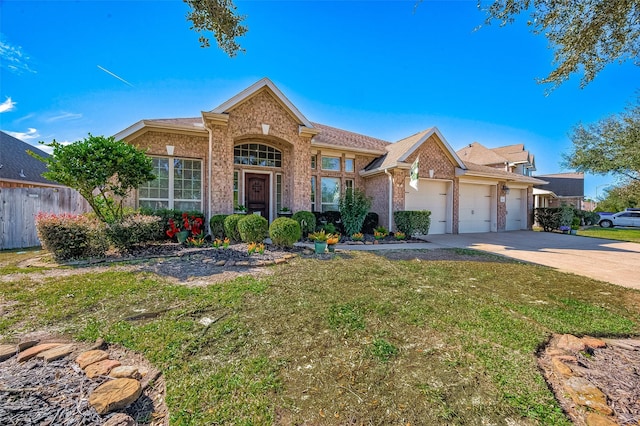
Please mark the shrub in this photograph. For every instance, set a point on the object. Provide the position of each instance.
(69, 236)
(354, 206)
(334, 217)
(307, 221)
(284, 232)
(548, 218)
(166, 214)
(253, 228)
(413, 221)
(370, 223)
(216, 225)
(231, 226)
(134, 230)
(329, 228)
(566, 215)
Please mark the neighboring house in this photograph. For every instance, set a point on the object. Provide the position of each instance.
(510, 158)
(258, 150)
(562, 189)
(18, 169)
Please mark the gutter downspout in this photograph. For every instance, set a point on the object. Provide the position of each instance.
(209, 174)
(390, 198)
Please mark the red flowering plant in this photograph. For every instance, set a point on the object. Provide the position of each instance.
(192, 230)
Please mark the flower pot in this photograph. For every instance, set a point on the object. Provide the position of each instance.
(574, 232)
(182, 236)
(320, 246)
(331, 248)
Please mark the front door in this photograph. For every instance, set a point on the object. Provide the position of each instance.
(256, 193)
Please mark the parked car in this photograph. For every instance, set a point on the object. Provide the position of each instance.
(626, 218)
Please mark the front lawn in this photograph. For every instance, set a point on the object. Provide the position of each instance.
(358, 339)
(622, 234)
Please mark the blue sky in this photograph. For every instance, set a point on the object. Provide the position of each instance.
(384, 69)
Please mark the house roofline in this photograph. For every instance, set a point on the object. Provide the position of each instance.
(431, 132)
(255, 88)
(344, 148)
(144, 126)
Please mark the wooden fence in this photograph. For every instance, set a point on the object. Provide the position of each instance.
(19, 207)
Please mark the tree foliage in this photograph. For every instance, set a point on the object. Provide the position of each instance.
(354, 206)
(586, 35)
(620, 197)
(220, 18)
(104, 171)
(611, 145)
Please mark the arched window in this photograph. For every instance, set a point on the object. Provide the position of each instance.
(255, 154)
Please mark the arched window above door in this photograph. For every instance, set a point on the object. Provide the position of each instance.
(256, 154)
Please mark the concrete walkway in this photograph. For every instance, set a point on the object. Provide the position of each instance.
(616, 262)
(612, 261)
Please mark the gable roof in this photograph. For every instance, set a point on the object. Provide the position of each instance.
(333, 137)
(479, 154)
(249, 92)
(17, 165)
(565, 184)
(398, 152)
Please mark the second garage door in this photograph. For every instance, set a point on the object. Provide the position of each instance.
(515, 209)
(475, 208)
(431, 195)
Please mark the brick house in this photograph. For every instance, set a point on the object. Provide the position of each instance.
(258, 150)
(561, 189)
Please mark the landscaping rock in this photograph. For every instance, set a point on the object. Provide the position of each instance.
(115, 394)
(35, 350)
(593, 343)
(125, 372)
(584, 393)
(594, 419)
(56, 353)
(99, 344)
(7, 351)
(570, 343)
(100, 368)
(23, 346)
(120, 419)
(89, 357)
(561, 368)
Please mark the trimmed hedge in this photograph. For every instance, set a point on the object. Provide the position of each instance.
(216, 225)
(306, 220)
(412, 221)
(284, 232)
(253, 228)
(231, 226)
(69, 236)
(135, 230)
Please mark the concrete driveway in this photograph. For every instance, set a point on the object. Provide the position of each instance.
(616, 262)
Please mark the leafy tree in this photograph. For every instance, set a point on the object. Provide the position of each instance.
(620, 197)
(220, 18)
(611, 145)
(586, 35)
(104, 171)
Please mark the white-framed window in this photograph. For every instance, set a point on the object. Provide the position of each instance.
(349, 165)
(178, 185)
(348, 184)
(278, 192)
(313, 193)
(257, 154)
(331, 163)
(236, 188)
(330, 188)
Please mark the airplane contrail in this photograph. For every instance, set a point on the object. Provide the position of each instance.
(112, 74)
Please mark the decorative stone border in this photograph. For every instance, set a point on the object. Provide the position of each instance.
(125, 383)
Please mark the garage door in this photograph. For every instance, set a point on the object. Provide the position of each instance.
(515, 217)
(431, 195)
(475, 208)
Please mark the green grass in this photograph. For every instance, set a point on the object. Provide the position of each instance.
(356, 339)
(622, 234)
